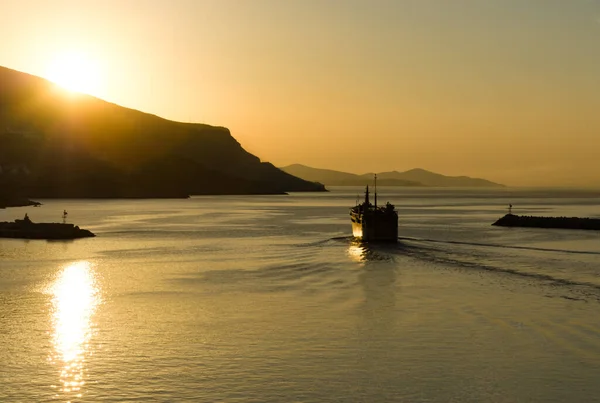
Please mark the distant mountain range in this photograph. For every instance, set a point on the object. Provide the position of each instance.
(414, 177)
(57, 144)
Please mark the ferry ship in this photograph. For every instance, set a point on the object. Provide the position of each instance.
(371, 223)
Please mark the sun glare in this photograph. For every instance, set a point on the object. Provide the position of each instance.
(75, 72)
(75, 296)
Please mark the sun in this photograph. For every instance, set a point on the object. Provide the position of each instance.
(76, 72)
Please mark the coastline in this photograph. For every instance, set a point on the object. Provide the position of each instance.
(18, 202)
(25, 202)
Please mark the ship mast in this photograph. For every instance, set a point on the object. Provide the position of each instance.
(375, 191)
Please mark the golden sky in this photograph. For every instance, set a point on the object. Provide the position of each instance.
(508, 90)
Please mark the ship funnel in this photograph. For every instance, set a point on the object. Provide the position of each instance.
(376, 191)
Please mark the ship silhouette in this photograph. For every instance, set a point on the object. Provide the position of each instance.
(371, 223)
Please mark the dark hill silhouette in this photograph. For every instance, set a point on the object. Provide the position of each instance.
(433, 179)
(414, 177)
(328, 176)
(11, 200)
(337, 178)
(57, 144)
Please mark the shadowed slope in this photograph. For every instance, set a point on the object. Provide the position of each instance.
(59, 144)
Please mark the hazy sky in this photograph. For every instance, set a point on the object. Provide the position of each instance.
(504, 89)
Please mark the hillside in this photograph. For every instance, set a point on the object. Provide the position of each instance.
(433, 179)
(320, 175)
(414, 177)
(337, 178)
(57, 144)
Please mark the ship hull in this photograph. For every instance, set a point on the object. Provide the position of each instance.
(374, 227)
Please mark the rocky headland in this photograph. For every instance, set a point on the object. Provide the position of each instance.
(55, 144)
(12, 201)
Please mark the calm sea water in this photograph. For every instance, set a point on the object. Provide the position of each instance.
(267, 299)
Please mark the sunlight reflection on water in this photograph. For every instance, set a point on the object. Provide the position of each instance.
(75, 297)
(357, 251)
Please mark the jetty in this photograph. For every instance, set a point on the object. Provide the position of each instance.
(26, 229)
(512, 220)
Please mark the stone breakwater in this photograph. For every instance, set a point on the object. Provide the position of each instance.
(28, 230)
(512, 220)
